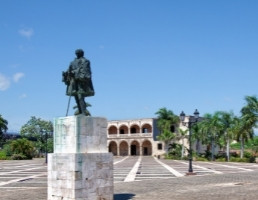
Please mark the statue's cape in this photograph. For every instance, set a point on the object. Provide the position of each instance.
(81, 83)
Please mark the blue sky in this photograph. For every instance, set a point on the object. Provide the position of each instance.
(145, 55)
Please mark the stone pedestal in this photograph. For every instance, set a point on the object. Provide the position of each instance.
(80, 167)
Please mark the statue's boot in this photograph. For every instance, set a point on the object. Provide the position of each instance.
(77, 112)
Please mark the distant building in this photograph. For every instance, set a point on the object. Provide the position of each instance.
(11, 135)
(139, 137)
(134, 137)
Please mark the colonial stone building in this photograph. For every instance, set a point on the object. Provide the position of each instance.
(139, 137)
(134, 137)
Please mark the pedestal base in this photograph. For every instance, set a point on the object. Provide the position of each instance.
(80, 176)
(80, 167)
(190, 173)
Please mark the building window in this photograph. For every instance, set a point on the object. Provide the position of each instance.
(122, 131)
(159, 146)
(133, 130)
(172, 129)
(145, 130)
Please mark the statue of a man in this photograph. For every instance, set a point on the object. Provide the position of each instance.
(78, 81)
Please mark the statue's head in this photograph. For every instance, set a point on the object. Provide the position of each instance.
(79, 53)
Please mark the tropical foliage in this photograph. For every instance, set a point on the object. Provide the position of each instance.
(3, 128)
(167, 122)
(181, 136)
(219, 129)
(39, 131)
(22, 149)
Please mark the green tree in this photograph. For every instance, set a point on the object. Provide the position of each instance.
(250, 112)
(243, 132)
(227, 120)
(167, 123)
(182, 134)
(199, 136)
(248, 121)
(40, 131)
(254, 146)
(166, 136)
(3, 128)
(22, 147)
(211, 127)
(174, 151)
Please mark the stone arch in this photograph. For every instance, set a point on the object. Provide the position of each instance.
(146, 128)
(123, 148)
(112, 147)
(123, 129)
(146, 148)
(134, 129)
(112, 130)
(135, 148)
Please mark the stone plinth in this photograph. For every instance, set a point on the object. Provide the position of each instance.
(80, 167)
(80, 176)
(80, 134)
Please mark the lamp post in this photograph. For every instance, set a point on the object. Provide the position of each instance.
(46, 136)
(192, 120)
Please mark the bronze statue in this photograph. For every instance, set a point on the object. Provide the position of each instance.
(78, 81)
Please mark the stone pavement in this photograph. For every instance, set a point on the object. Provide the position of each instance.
(27, 180)
(242, 186)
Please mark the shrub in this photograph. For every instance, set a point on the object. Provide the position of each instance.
(185, 158)
(252, 159)
(247, 154)
(3, 155)
(175, 151)
(173, 157)
(201, 159)
(7, 149)
(22, 147)
(167, 156)
(207, 154)
(221, 159)
(234, 154)
(221, 155)
(18, 157)
(233, 159)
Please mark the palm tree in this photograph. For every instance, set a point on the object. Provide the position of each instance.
(166, 136)
(227, 124)
(248, 121)
(252, 104)
(250, 111)
(243, 132)
(182, 134)
(198, 136)
(167, 121)
(211, 127)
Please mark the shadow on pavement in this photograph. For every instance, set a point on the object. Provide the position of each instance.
(124, 196)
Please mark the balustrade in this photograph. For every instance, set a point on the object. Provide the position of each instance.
(132, 135)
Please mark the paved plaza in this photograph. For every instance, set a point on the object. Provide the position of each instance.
(144, 178)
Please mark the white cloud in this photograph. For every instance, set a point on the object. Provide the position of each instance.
(17, 76)
(23, 96)
(26, 32)
(4, 82)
